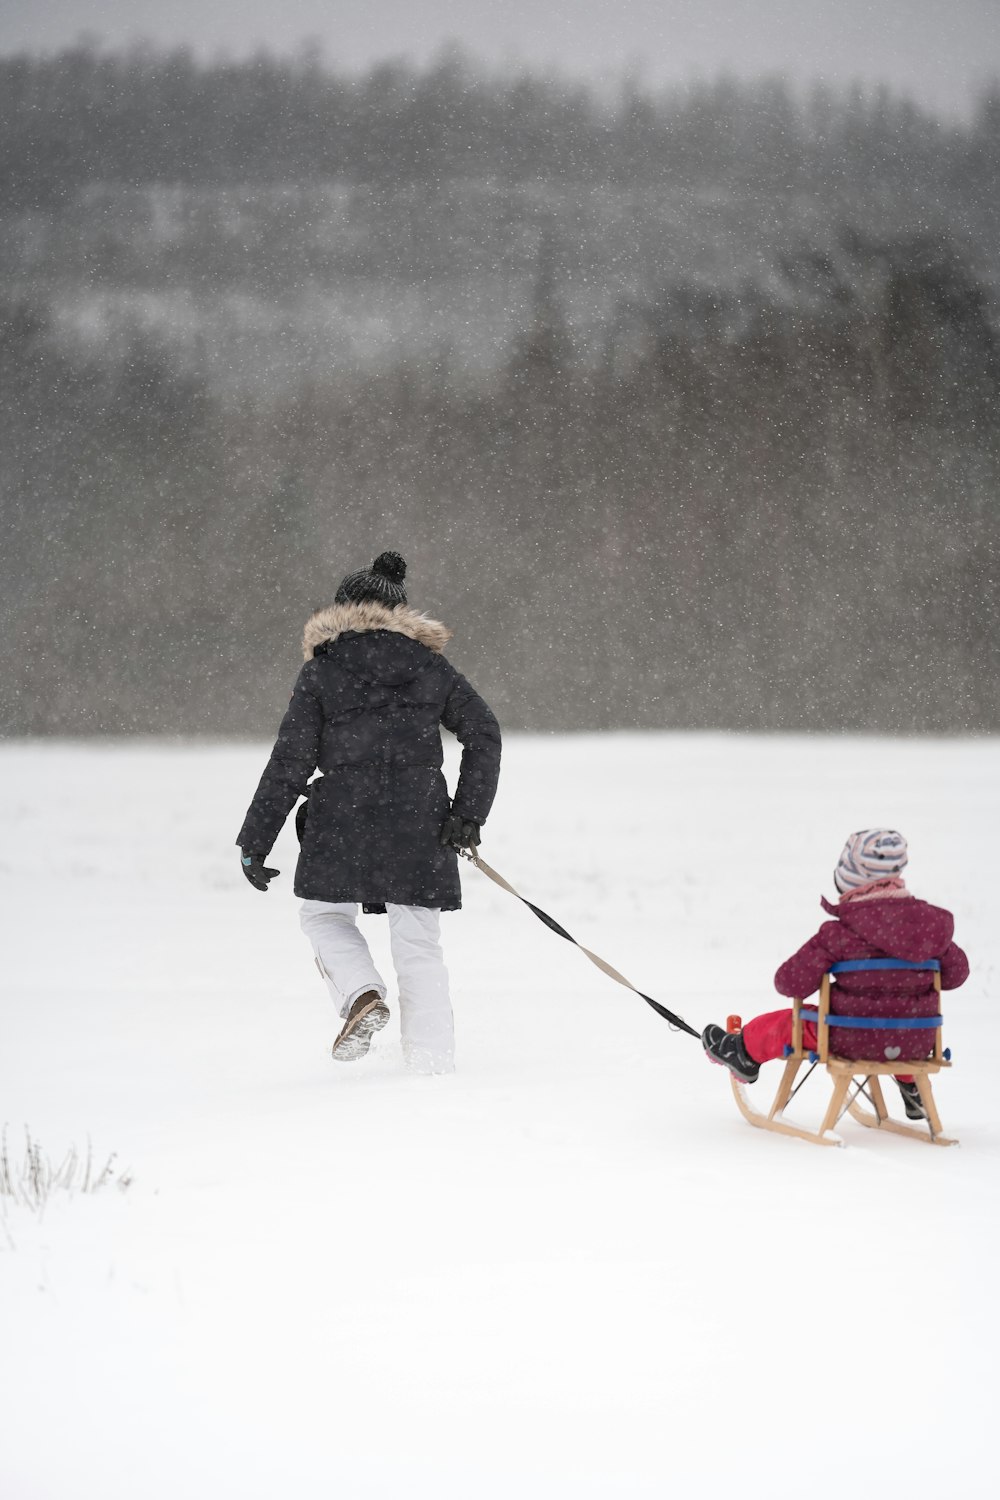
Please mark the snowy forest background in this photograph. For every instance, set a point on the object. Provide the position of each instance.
(682, 406)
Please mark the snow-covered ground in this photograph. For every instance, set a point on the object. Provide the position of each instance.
(570, 1270)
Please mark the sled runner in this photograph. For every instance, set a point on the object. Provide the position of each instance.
(864, 1074)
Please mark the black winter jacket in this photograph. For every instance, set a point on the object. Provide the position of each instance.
(366, 711)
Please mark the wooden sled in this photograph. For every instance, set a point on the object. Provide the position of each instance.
(852, 1079)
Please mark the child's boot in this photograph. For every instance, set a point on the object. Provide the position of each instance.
(726, 1047)
(912, 1102)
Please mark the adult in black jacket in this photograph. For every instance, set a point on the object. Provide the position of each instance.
(380, 831)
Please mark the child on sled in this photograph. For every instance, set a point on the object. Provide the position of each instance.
(876, 917)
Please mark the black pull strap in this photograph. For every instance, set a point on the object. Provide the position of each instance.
(661, 1010)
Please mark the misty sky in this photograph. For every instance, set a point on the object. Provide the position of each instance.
(938, 51)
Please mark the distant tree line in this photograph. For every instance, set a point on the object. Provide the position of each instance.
(764, 495)
(790, 526)
(85, 116)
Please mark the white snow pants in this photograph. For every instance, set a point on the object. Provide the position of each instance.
(344, 959)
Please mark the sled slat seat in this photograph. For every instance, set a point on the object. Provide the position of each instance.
(843, 1071)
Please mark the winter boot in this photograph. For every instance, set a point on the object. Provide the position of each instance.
(912, 1102)
(367, 1015)
(726, 1047)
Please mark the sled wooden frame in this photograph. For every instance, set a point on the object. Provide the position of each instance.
(842, 1072)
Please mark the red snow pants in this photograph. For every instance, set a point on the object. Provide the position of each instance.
(767, 1036)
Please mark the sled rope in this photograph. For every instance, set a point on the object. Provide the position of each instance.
(677, 1022)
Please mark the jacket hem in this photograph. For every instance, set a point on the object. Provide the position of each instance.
(436, 903)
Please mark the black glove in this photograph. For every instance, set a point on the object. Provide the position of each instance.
(459, 833)
(255, 870)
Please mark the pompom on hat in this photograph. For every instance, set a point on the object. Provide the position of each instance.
(382, 583)
(872, 854)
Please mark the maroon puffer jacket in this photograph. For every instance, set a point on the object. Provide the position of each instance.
(896, 927)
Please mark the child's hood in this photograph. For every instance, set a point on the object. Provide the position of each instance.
(907, 928)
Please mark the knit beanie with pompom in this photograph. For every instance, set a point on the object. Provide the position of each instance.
(382, 583)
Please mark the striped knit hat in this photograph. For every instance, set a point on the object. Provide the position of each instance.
(382, 583)
(872, 854)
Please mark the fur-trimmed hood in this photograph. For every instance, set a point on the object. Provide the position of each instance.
(340, 619)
